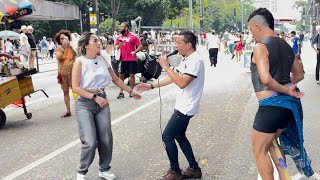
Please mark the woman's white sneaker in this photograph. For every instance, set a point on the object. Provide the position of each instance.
(107, 175)
(80, 176)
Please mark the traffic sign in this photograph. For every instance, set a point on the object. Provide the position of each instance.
(93, 19)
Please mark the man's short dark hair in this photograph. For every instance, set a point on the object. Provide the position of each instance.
(266, 14)
(189, 37)
(126, 24)
(293, 32)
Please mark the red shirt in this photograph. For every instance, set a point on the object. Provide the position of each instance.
(131, 41)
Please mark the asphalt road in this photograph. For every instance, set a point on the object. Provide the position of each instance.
(47, 147)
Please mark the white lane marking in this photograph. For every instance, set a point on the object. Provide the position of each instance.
(73, 143)
(40, 161)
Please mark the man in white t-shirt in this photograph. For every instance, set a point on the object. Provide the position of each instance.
(213, 46)
(9, 46)
(189, 77)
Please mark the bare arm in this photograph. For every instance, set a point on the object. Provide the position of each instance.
(297, 71)
(314, 42)
(59, 53)
(163, 82)
(118, 81)
(139, 48)
(181, 81)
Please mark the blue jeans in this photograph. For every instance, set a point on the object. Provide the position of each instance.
(176, 130)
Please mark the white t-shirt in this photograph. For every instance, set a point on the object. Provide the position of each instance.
(188, 99)
(51, 45)
(8, 46)
(24, 39)
(94, 73)
(213, 41)
(232, 39)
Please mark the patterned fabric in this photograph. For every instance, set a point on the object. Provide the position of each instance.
(65, 64)
(291, 140)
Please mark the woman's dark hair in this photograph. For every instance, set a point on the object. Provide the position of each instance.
(189, 37)
(266, 14)
(57, 36)
(83, 42)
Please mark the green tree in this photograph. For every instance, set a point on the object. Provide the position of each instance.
(304, 22)
(106, 26)
(219, 14)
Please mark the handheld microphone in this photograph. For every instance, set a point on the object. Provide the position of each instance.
(173, 53)
(174, 61)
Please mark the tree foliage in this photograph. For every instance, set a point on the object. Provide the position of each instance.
(304, 23)
(106, 26)
(218, 15)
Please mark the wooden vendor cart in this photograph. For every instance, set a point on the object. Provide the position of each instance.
(14, 88)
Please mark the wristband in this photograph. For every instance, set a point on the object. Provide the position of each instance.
(94, 96)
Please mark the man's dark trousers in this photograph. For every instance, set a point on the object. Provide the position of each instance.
(176, 130)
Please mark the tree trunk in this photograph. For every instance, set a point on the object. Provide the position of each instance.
(114, 12)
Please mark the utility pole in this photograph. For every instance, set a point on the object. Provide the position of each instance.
(201, 15)
(314, 17)
(80, 17)
(93, 15)
(96, 8)
(242, 22)
(191, 16)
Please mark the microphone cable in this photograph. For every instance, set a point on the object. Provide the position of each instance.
(160, 102)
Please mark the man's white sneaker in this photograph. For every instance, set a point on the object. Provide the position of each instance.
(107, 175)
(80, 176)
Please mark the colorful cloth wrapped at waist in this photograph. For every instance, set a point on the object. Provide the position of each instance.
(291, 140)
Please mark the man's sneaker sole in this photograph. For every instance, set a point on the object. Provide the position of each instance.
(100, 175)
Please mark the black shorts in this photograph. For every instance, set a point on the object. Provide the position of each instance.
(271, 118)
(128, 67)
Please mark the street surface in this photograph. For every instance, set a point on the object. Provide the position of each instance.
(47, 147)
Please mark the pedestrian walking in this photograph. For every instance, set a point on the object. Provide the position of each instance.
(91, 74)
(280, 110)
(213, 46)
(129, 44)
(51, 47)
(25, 48)
(189, 76)
(9, 47)
(65, 56)
(33, 45)
(44, 48)
(238, 46)
(316, 40)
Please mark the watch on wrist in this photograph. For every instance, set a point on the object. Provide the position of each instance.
(94, 96)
